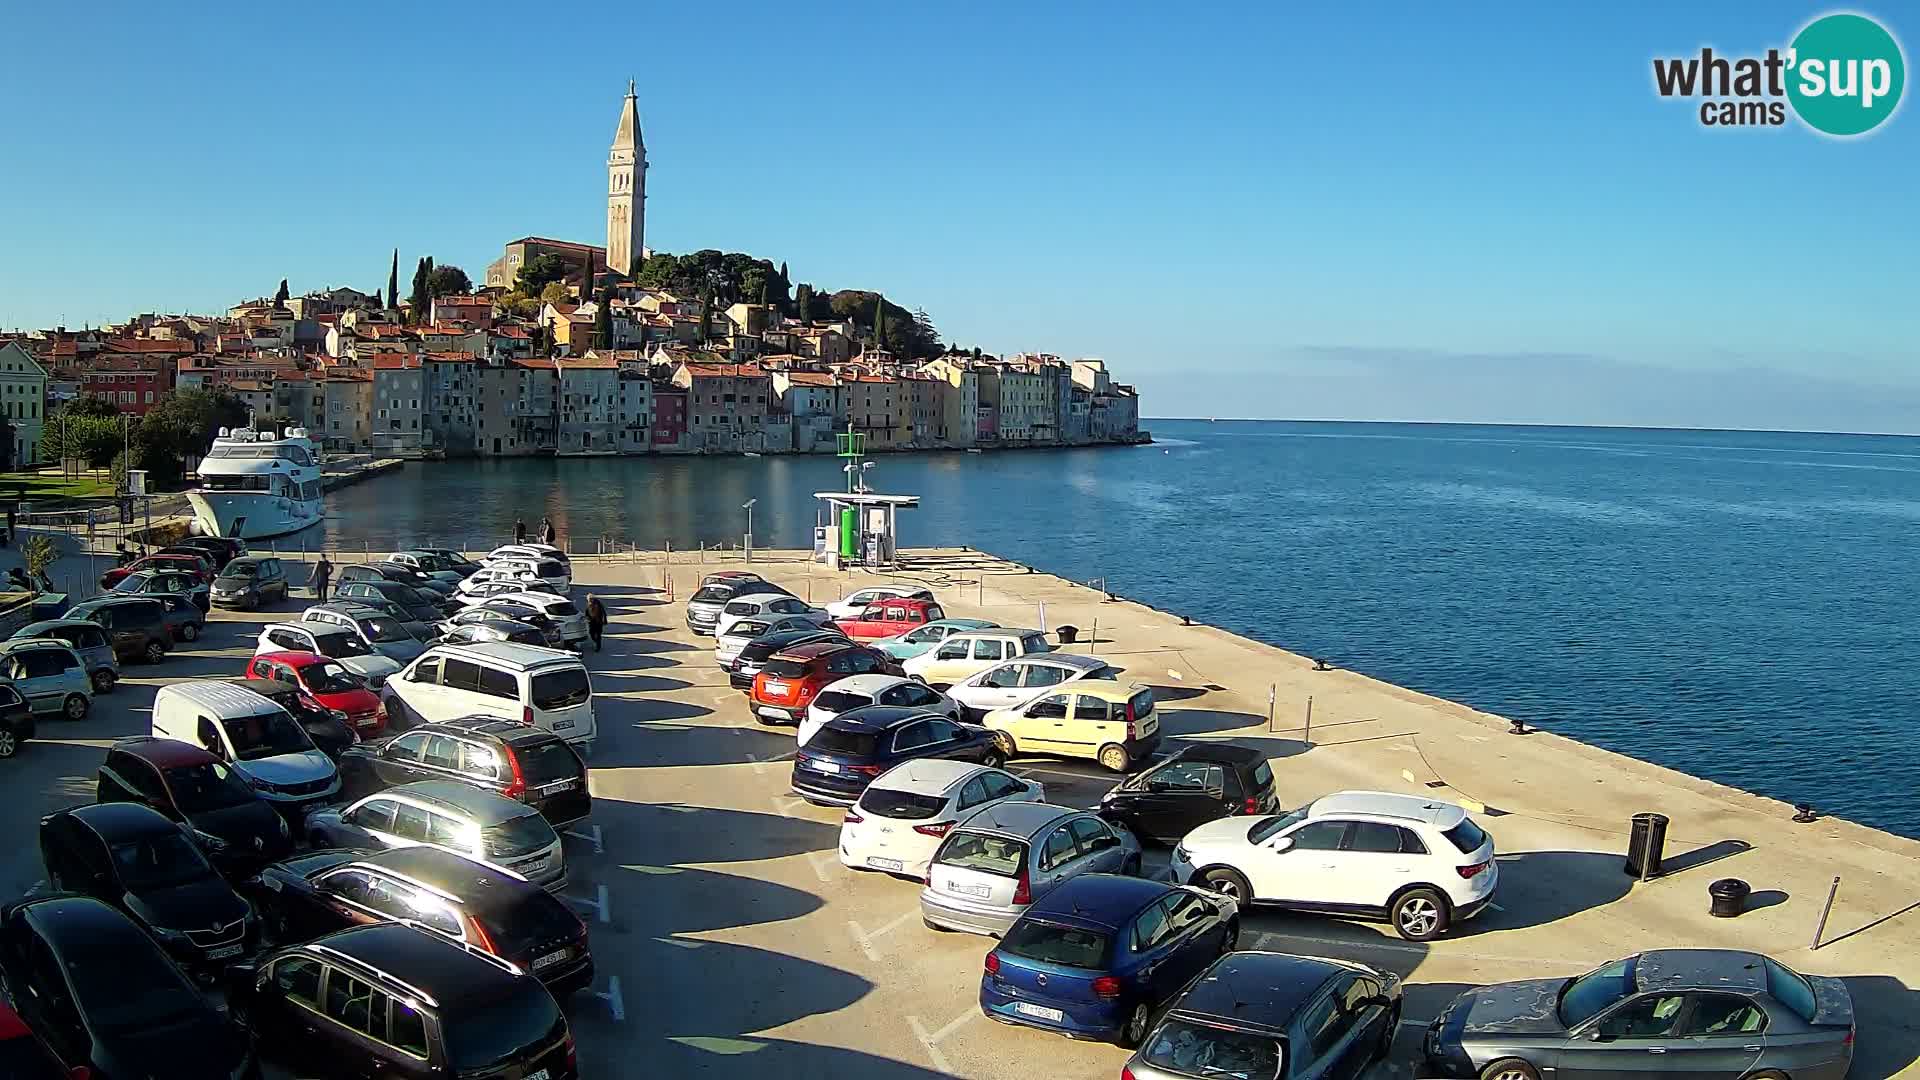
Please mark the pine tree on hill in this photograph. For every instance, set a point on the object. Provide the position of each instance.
(280, 297)
(393, 283)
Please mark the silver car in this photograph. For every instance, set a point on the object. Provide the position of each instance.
(388, 637)
(995, 864)
(704, 607)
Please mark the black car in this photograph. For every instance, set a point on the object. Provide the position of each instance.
(1203, 782)
(391, 1001)
(106, 1002)
(420, 606)
(843, 757)
(165, 585)
(437, 890)
(331, 735)
(754, 653)
(395, 572)
(249, 581)
(22, 1057)
(137, 625)
(16, 721)
(221, 549)
(507, 611)
(1250, 1011)
(525, 763)
(235, 827)
(132, 857)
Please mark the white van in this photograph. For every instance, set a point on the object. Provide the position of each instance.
(544, 687)
(261, 740)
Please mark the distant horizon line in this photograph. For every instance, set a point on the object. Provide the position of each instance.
(1534, 424)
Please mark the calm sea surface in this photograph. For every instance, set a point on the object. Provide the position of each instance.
(1740, 606)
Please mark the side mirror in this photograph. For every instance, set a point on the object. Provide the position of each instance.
(1158, 786)
(1596, 1035)
(238, 979)
(1283, 845)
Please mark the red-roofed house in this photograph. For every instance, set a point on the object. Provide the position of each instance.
(476, 311)
(727, 405)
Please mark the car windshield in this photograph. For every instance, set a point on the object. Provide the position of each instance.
(329, 678)
(1466, 836)
(832, 740)
(240, 569)
(127, 990)
(839, 701)
(484, 1035)
(713, 594)
(211, 786)
(340, 645)
(265, 735)
(132, 583)
(747, 628)
(1262, 776)
(561, 609)
(742, 607)
(562, 688)
(384, 630)
(1590, 994)
(1203, 1050)
(544, 763)
(1264, 829)
(785, 669)
(160, 861)
(517, 836)
(1072, 946)
(1001, 855)
(901, 805)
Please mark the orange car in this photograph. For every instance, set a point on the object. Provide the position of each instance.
(790, 680)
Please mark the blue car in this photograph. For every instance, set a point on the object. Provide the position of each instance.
(923, 638)
(1096, 957)
(853, 748)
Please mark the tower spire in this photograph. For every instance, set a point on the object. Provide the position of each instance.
(627, 190)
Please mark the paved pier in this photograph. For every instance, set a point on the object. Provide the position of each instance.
(730, 942)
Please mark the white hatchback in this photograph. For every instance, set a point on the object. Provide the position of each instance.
(851, 605)
(859, 691)
(900, 821)
(1017, 682)
(1419, 863)
(768, 605)
(741, 632)
(571, 621)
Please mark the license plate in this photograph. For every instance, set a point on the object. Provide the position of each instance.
(826, 766)
(541, 1075)
(562, 725)
(776, 687)
(564, 785)
(551, 959)
(884, 864)
(1038, 1012)
(767, 710)
(969, 890)
(223, 952)
(531, 866)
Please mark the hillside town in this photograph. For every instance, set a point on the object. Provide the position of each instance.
(576, 349)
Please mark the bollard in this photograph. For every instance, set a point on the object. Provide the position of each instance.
(1825, 910)
(1729, 897)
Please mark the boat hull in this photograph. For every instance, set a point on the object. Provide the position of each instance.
(265, 515)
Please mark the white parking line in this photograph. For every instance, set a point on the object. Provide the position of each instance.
(592, 836)
(864, 938)
(929, 1040)
(598, 904)
(615, 1003)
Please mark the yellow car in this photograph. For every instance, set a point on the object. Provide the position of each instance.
(966, 654)
(1112, 724)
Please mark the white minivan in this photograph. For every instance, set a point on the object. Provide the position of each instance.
(261, 740)
(544, 687)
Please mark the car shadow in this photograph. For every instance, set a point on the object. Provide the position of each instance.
(690, 900)
(1176, 722)
(1885, 1011)
(701, 1055)
(644, 710)
(679, 834)
(633, 682)
(1541, 887)
(663, 744)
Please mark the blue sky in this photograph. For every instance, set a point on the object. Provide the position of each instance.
(1264, 210)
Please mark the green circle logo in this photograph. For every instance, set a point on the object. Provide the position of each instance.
(1845, 74)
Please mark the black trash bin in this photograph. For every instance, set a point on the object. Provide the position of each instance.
(1649, 843)
(1729, 897)
(1069, 634)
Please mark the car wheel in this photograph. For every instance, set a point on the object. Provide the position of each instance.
(154, 652)
(1008, 748)
(1420, 914)
(993, 759)
(1114, 758)
(1232, 939)
(1384, 1050)
(1131, 868)
(9, 743)
(1135, 1031)
(190, 632)
(1510, 1069)
(1228, 883)
(103, 681)
(75, 707)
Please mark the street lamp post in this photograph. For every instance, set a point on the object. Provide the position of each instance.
(748, 546)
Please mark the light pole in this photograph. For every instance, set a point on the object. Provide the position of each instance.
(864, 466)
(748, 507)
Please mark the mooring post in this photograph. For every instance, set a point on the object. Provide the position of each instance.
(1095, 636)
(1826, 910)
(1271, 695)
(1309, 739)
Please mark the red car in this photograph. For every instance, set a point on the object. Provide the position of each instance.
(789, 681)
(888, 618)
(22, 1055)
(330, 685)
(199, 566)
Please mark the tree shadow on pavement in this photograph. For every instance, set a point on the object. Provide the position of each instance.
(677, 834)
(634, 682)
(748, 1055)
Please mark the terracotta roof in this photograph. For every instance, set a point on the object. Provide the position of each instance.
(725, 371)
(536, 363)
(450, 357)
(811, 378)
(587, 363)
(509, 330)
(393, 361)
(145, 345)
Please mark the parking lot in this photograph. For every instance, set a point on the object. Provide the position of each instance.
(730, 941)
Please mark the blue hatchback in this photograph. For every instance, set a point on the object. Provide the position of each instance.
(1097, 956)
(846, 754)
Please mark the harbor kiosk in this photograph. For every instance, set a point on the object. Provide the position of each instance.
(859, 527)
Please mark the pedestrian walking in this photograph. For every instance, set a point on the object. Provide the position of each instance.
(322, 573)
(547, 532)
(519, 531)
(596, 620)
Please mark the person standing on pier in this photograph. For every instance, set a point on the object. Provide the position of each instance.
(596, 619)
(547, 531)
(519, 530)
(322, 573)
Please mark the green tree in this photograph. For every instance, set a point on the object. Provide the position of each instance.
(280, 298)
(417, 300)
(535, 274)
(6, 444)
(181, 428)
(393, 283)
(603, 320)
(80, 437)
(803, 302)
(88, 405)
(449, 280)
(555, 292)
(879, 322)
(40, 553)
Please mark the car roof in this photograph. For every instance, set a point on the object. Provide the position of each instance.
(483, 806)
(894, 590)
(65, 920)
(990, 632)
(313, 627)
(54, 624)
(99, 602)
(964, 624)
(1018, 818)
(33, 644)
(1388, 804)
(456, 874)
(1700, 969)
(867, 684)
(296, 657)
(881, 717)
(1257, 989)
(1109, 900)
(813, 650)
(1077, 661)
(541, 600)
(915, 603)
(253, 558)
(266, 688)
(1105, 691)
(114, 820)
(219, 695)
(930, 775)
(531, 657)
(511, 731)
(164, 753)
(453, 976)
(1223, 753)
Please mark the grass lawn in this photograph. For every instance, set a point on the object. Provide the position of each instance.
(51, 487)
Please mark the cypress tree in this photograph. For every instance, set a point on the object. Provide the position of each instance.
(393, 283)
(603, 320)
(280, 297)
(419, 294)
(803, 302)
(429, 278)
(879, 321)
(706, 312)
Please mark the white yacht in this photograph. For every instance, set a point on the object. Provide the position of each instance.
(254, 485)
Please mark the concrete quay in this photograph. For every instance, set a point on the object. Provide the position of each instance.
(730, 941)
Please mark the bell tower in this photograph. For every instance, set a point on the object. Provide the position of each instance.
(627, 191)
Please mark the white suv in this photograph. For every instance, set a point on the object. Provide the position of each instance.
(1419, 863)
